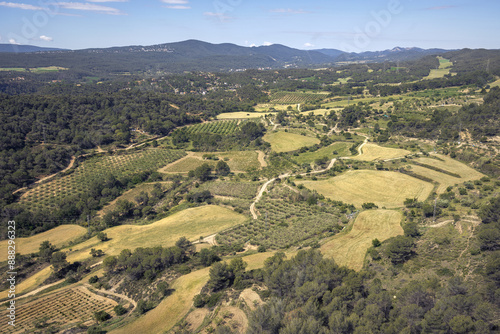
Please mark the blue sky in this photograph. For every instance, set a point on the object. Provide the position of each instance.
(356, 25)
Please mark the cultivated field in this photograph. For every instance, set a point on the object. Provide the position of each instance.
(58, 236)
(297, 97)
(62, 308)
(341, 148)
(444, 69)
(243, 115)
(34, 70)
(47, 195)
(385, 189)
(219, 127)
(285, 141)
(449, 165)
(349, 248)
(371, 152)
(191, 223)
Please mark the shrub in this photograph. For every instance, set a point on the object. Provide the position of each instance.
(120, 310)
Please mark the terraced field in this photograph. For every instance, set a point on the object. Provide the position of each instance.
(349, 248)
(47, 195)
(385, 189)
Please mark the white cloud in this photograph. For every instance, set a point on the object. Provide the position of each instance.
(20, 6)
(267, 43)
(13, 41)
(90, 7)
(253, 45)
(308, 45)
(46, 38)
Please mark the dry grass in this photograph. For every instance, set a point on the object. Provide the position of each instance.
(30, 283)
(385, 189)
(285, 141)
(467, 173)
(371, 152)
(349, 248)
(58, 236)
(191, 223)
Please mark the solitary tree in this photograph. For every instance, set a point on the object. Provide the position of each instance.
(222, 168)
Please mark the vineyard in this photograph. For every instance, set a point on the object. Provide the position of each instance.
(47, 195)
(219, 127)
(284, 222)
(296, 97)
(66, 307)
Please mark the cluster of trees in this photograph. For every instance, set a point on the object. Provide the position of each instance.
(480, 120)
(146, 262)
(326, 298)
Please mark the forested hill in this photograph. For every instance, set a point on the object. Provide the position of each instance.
(14, 48)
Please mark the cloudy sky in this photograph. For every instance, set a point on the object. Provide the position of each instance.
(355, 25)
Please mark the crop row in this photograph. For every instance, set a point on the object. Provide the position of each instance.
(68, 306)
(282, 224)
(95, 170)
(296, 97)
(219, 127)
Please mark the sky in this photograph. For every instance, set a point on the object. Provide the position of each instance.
(353, 26)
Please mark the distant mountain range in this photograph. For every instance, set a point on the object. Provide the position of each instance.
(194, 55)
(14, 48)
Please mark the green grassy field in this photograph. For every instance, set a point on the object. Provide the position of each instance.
(349, 248)
(385, 189)
(341, 148)
(371, 152)
(191, 223)
(285, 142)
(58, 236)
(187, 164)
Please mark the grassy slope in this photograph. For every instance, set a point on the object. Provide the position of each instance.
(371, 152)
(308, 157)
(58, 236)
(383, 188)
(239, 161)
(191, 223)
(350, 248)
(284, 141)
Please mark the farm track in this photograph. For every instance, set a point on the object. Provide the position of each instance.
(130, 300)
